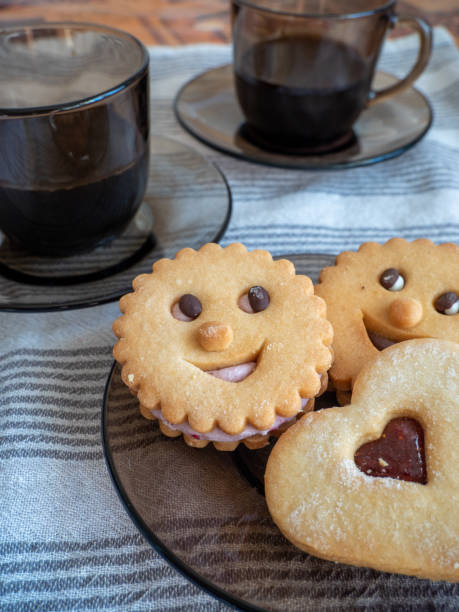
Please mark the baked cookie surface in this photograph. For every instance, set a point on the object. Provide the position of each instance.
(222, 341)
(328, 506)
(388, 293)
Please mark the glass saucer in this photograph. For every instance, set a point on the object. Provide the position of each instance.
(187, 203)
(207, 107)
(204, 511)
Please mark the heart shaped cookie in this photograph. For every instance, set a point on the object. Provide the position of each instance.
(329, 506)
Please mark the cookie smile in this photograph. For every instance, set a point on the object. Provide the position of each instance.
(379, 341)
(236, 373)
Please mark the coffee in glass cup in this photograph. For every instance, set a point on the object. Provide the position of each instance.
(74, 135)
(303, 69)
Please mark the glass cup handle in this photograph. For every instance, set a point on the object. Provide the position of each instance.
(424, 31)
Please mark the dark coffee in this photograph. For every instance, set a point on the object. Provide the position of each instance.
(64, 221)
(69, 180)
(302, 91)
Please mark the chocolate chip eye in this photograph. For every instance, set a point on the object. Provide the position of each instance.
(187, 308)
(190, 305)
(258, 298)
(447, 303)
(392, 280)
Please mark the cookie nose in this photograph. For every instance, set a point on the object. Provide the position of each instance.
(405, 312)
(215, 336)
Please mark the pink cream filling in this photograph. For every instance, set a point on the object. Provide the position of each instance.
(235, 373)
(231, 374)
(217, 435)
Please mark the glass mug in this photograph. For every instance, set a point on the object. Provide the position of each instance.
(74, 135)
(303, 69)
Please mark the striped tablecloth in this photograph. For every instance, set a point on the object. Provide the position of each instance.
(66, 542)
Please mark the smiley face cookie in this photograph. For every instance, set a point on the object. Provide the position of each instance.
(375, 483)
(223, 345)
(384, 294)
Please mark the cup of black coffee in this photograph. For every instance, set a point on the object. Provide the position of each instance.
(304, 68)
(74, 135)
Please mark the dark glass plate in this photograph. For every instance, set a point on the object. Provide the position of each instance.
(204, 511)
(207, 107)
(187, 203)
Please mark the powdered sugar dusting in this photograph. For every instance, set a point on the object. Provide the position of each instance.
(351, 477)
(322, 524)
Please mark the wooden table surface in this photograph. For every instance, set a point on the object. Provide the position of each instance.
(178, 22)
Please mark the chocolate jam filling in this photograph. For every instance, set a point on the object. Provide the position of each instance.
(398, 453)
(380, 342)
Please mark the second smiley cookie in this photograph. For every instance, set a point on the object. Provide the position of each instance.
(384, 294)
(223, 345)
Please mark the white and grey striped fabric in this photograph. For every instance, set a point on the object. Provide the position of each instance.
(66, 543)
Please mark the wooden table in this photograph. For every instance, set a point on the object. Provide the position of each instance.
(178, 22)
